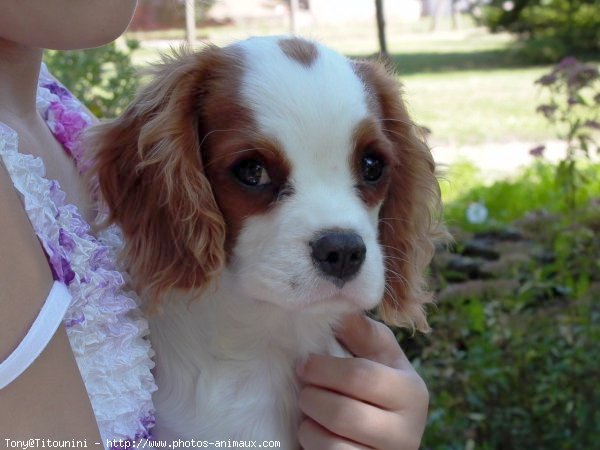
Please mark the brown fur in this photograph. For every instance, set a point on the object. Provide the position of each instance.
(150, 172)
(410, 217)
(300, 50)
(236, 201)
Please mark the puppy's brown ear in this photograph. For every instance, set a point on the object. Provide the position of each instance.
(410, 217)
(148, 167)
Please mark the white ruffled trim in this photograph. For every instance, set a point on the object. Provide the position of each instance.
(105, 327)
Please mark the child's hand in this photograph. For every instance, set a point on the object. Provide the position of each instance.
(375, 400)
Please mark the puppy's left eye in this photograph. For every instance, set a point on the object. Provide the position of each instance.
(372, 167)
(251, 172)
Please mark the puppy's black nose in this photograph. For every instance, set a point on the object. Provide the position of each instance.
(339, 254)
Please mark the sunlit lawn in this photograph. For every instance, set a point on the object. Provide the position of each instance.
(468, 87)
(474, 107)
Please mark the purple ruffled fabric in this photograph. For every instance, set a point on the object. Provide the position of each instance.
(107, 332)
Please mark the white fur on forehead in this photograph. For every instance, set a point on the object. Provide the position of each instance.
(308, 105)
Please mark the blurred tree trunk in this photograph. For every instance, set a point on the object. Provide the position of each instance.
(435, 14)
(190, 21)
(455, 15)
(381, 26)
(294, 7)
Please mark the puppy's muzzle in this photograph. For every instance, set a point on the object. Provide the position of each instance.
(338, 255)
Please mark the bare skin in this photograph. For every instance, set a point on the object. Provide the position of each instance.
(49, 400)
(64, 24)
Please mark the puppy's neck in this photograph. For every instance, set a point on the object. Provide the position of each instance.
(227, 324)
(224, 346)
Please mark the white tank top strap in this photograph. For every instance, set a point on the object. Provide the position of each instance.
(38, 336)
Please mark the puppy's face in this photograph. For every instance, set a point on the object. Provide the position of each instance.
(300, 178)
(289, 166)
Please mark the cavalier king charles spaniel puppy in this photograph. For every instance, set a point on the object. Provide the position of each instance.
(264, 190)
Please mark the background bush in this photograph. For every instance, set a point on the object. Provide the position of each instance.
(551, 28)
(516, 367)
(510, 199)
(103, 78)
(513, 372)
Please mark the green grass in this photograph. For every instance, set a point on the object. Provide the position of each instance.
(475, 107)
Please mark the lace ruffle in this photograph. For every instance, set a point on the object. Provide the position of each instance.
(104, 325)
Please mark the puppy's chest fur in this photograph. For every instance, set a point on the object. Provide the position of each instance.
(225, 367)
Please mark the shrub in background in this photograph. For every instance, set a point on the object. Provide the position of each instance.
(517, 368)
(535, 188)
(103, 78)
(551, 28)
(572, 105)
(573, 109)
(513, 372)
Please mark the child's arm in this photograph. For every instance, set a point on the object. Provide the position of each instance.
(49, 399)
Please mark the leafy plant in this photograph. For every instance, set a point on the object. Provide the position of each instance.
(516, 367)
(511, 371)
(103, 78)
(534, 188)
(573, 109)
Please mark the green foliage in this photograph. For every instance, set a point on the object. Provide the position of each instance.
(460, 178)
(513, 373)
(553, 28)
(573, 109)
(507, 200)
(103, 78)
(517, 368)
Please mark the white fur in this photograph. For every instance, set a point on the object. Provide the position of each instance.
(225, 363)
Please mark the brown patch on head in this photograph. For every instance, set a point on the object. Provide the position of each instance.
(409, 219)
(302, 51)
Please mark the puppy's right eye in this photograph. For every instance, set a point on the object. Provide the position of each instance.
(251, 172)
